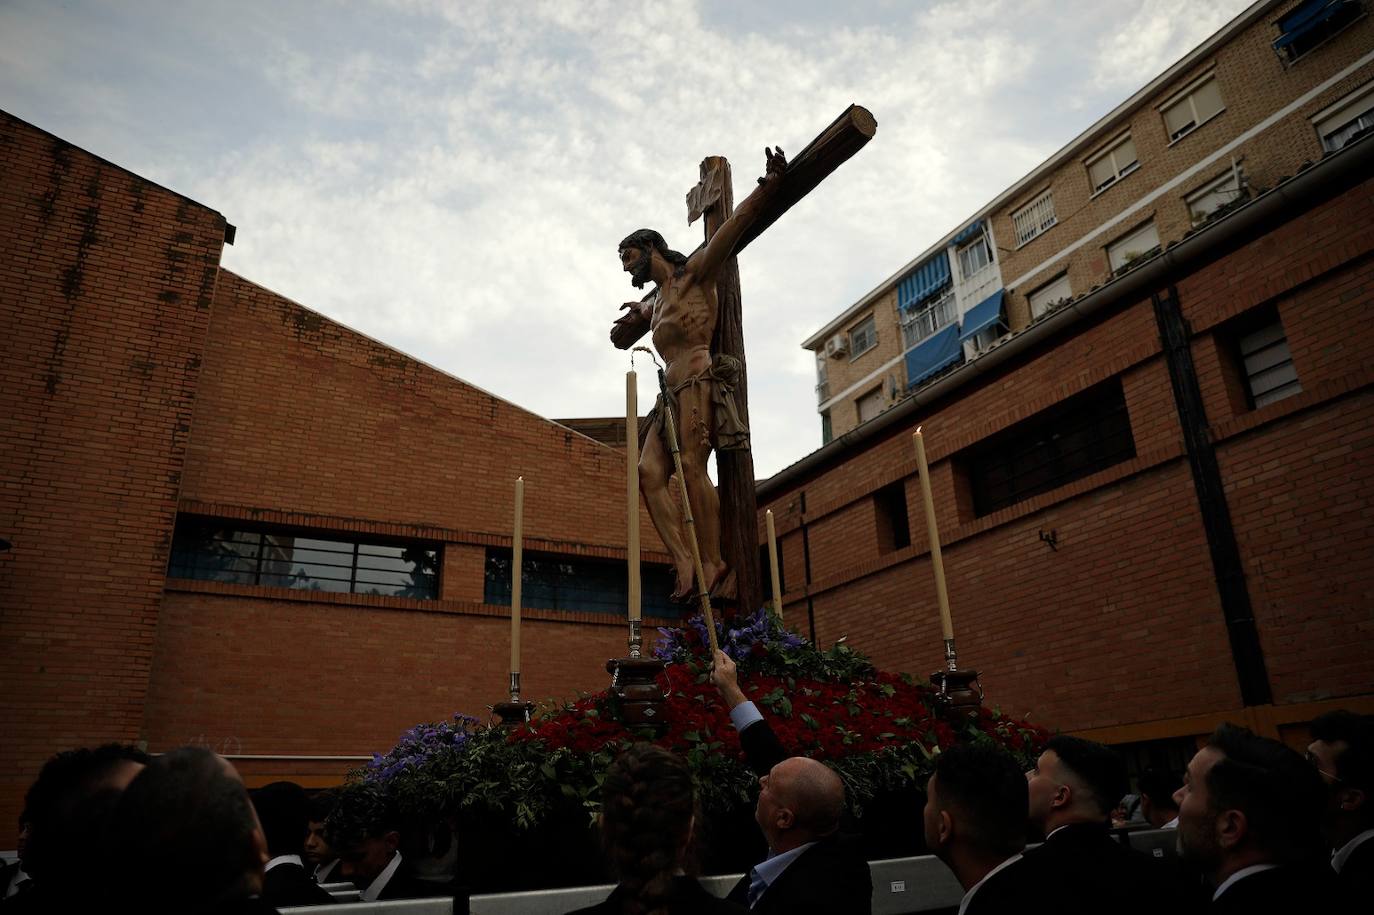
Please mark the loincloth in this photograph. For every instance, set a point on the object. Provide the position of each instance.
(729, 432)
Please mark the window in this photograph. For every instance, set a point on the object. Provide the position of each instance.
(1117, 161)
(1034, 218)
(1192, 108)
(889, 510)
(1347, 123)
(555, 582)
(871, 404)
(1087, 433)
(1049, 295)
(1216, 197)
(1268, 364)
(1138, 244)
(827, 432)
(862, 337)
(974, 256)
(822, 379)
(207, 549)
(1310, 24)
(919, 324)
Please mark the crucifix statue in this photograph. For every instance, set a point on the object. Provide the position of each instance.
(694, 316)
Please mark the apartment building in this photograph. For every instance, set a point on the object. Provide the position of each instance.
(1282, 84)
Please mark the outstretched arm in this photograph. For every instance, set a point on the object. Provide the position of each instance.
(722, 244)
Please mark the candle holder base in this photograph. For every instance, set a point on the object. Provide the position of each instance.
(634, 683)
(958, 695)
(513, 713)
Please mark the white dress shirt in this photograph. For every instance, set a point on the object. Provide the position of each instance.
(1241, 875)
(1343, 855)
(963, 903)
(284, 859)
(374, 889)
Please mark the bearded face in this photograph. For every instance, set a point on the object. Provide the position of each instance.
(637, 262)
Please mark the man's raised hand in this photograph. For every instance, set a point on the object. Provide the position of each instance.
(725, 678)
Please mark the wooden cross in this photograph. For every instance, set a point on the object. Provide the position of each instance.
(713, 198)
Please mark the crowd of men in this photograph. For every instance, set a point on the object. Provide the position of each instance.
(1259, 828)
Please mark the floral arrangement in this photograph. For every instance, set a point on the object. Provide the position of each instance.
(876, 729)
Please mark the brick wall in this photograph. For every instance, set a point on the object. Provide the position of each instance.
(298, 411)
(1121, 623)
(106, 282)
(141, 380)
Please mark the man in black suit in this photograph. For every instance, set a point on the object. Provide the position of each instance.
(1342, 750)
(1072, 790)
(69, 807)
(975, 822)
(184, 838)
(282, 811)
(364, 832)
(810, 870)
(1249, 815)
(319, 857)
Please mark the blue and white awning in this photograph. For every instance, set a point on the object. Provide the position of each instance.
(924, 282)
(983, 315)
(932, 354)
(968, 233)
(1304, 19)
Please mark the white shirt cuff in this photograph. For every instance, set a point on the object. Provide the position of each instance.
(745, 714)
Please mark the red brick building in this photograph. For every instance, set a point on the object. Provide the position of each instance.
(156, 405)
(1154, 502)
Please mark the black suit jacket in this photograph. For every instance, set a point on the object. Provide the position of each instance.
(1010, 890)
(829, 878)
(1083, 869)
(290, 884)
(403, 885)
(689, 898)
(1356, 879)
(1291, 888)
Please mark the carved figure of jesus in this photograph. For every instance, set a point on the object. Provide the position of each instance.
(682, 318)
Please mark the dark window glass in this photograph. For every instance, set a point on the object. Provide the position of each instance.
(765, 570)
(554, 582)
(1080, 436)
(207, 549)
(889, 508)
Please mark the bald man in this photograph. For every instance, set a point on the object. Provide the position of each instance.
(809, 870)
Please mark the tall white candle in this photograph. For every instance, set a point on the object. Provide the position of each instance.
(516, 567)
(773, 562)
(632, 487)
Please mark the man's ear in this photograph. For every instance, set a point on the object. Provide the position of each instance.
(785, 818)
(1232, 828)
(1063, 796)
(946, 827)
(392, 840)
(260, 846)
(1352, 798)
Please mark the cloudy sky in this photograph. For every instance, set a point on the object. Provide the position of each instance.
(452, 178)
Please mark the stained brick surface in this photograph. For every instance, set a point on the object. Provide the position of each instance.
(1122, 623)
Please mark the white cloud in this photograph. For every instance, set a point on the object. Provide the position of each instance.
(452, 178)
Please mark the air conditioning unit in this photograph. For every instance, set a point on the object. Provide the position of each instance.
(837, 346)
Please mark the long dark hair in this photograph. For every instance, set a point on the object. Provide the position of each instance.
(647, 806)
